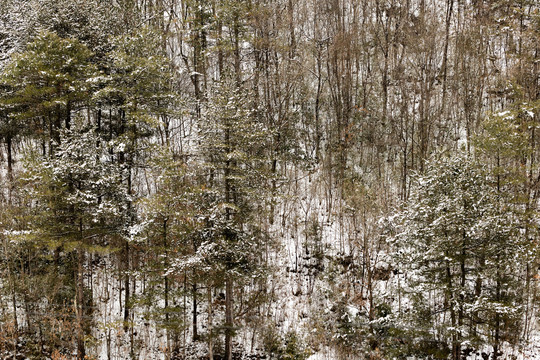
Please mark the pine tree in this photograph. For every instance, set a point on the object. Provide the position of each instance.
(49, 82)
(170, 221)
(458, 243)
(136, 89)
(80, 208)
(233, 140)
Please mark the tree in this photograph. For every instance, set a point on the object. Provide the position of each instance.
(458, 242)
(49, 81)
(136, 89)
(171, 219)
(233, 140)
(81, 207)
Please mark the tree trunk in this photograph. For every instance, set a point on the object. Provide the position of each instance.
(9, 145)
(126, 285)
(81, 351)
(166, 285)
(195, 326)
(13, 296)
(228, 317)
(210, 320)
(450, 294)
(497, 315)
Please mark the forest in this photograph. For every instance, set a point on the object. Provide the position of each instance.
(269, 179)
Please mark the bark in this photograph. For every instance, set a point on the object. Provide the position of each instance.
(451, 301)
(195, 310)
(210, 325)
(127, 292)
(9, 145)
(166, 285)
(81, 350)
(229, 331)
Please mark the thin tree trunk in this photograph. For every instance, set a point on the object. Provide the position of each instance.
(228, 318)
(166, 285)
(497, 315)
(9, 144)
(13, 297)
(195, 325)
(450, 294)
(126, 285)
(210, 320)
(81, 351)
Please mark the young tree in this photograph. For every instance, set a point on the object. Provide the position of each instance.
(233, 141)
(171, 220)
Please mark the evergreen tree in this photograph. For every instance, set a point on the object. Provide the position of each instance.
(49, 82)
(233, 140)
(458, 243)
(136, 89)
(79, 208)
(170, 221)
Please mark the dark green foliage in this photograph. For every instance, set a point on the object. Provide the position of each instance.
(284, 347)
(456, 240)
